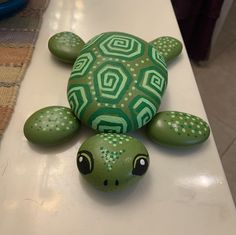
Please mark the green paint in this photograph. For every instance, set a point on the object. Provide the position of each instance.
(168, 47)
(51, 125)
(114, 158)
(178, 129)
(110, 157)
(65, 46)
(118, 68)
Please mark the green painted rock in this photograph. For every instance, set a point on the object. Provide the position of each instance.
(65, 46)
(168, 47)
(51, 125)
(117, 83)
(177, 129)
(112, 162)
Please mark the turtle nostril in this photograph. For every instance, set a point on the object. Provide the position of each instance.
(105, 182)
(117, 182)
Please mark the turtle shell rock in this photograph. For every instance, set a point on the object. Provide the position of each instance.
(117, 83)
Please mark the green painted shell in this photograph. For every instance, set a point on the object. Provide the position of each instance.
(117, 83)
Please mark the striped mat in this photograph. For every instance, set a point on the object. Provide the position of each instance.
(18, 35)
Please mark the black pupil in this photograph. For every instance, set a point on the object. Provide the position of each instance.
(84, 165)
(140, 167)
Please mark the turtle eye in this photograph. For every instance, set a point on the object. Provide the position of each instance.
(140, 164)
(85, 162)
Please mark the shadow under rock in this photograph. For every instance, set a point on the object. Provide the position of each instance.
(180, 152)
(175, 61)
(171, 151)
(60, 63)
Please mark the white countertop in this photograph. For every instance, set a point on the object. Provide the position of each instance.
(41, 192)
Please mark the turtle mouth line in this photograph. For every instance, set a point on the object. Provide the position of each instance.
(106, 183)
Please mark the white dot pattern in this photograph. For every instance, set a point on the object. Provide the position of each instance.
(115, 139)
(168, 47)
(57, 118)
(184, 124)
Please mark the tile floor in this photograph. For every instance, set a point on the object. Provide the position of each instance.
(217, 85)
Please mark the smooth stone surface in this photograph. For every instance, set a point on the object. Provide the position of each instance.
(168, 47)
(177, 129)
(117, 83)
(51, 125)
(112, 162)
(65, 46)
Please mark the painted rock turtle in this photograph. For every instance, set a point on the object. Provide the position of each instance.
(116, 86)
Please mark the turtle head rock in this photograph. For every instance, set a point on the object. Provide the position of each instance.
(112, 162)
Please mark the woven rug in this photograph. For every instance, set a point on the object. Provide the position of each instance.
(18, 35)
